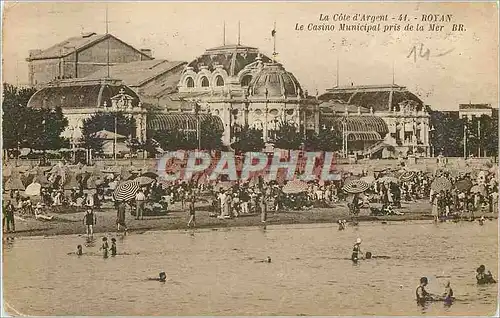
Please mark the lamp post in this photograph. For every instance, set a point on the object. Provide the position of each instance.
(198, 133)
(344, 137)
(465, 137)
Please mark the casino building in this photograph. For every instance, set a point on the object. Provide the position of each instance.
(244, 87)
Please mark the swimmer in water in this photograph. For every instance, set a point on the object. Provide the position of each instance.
(356, 250)
(341, 225)
(481, 220)
(113, 247)
(422, 295)
(448, 293)
(162, 277)
(484, 278)
(104, 247)
(267, 260)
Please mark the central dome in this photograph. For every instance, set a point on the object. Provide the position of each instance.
(233, 58)
(275, 81)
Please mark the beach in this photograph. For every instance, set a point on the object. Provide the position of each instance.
(176, 219)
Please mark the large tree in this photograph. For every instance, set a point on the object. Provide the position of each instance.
(325, 140)
(248, 140)
(482, 136)
(288, 137)
(447, 136)
(27, 127)
(125, 126)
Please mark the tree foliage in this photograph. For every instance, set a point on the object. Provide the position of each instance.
(248, 140)
(28, 127)
(447, 137)
(325, 140)
(288, 136)
(125, 126)
(482, 136)
(174, 139)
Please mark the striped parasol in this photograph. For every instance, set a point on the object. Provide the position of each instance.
(295, 186)
(407, 175)
(440, 184)
(355, 186)
(126, 191)
(143, 180)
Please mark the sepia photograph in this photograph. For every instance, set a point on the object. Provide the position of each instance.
(250, 158)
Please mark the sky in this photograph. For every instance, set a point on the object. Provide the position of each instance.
(462, 66)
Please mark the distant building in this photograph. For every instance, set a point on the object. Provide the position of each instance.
(475, 110)
(80, 56)
(404, 113)
(151, 79)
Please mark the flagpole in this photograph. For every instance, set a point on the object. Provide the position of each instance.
(274, 42)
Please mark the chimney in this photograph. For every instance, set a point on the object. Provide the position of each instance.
(147, 52)
(33, 53)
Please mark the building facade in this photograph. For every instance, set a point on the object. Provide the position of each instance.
(404, 113)
(245, 88)
(79, 99)
(79, 57)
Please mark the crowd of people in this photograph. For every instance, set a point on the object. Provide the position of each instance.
(225, 200)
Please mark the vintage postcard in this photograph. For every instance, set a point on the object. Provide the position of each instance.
(250, 158)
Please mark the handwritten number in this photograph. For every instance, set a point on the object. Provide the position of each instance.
(425, 54)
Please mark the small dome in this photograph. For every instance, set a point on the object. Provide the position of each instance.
(274, 79)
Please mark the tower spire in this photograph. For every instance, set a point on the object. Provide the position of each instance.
(338, 70)
(273, 34)
(107, 40)
(224, 33)
(393, 72)
(239, 32)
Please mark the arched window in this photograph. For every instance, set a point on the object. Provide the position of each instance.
(204, 82)
(189, 82)
(245, 81)
(219, 81)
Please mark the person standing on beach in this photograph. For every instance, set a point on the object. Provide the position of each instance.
(263, 207)
(120, 217)
(89, 220)
(140, 199)
(192, 212)
(8, 216)
(113, 247)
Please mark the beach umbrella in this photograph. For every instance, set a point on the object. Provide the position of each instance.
(71, 182)
(441, 183)
(355, 186)
(14, 183)
(144, 180)
(463, 185)
(351, 178)
(295, 186)
(7, 171)
(126, 191)
(478, 188)
(407, 175)
(33, 189)
(368, 179)
(91, 182)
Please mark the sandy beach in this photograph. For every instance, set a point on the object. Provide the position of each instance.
(176, 219)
